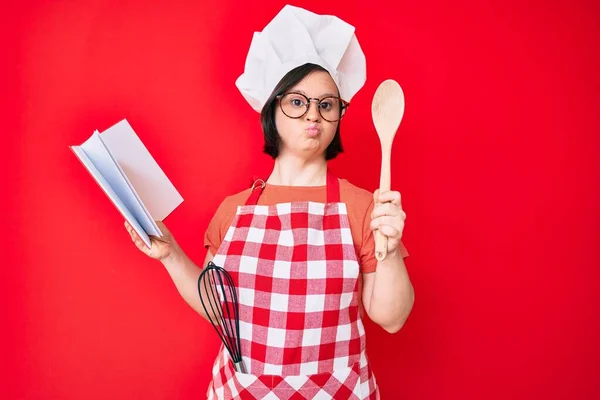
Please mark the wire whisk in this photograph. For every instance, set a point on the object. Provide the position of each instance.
(220, 302)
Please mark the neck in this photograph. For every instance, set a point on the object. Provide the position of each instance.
(294, 171)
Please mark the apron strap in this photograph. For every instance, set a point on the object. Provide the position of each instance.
(333, 189)
(256, 190)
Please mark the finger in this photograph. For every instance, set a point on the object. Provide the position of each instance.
(376, 196)
(389, 231)
(136, 239)
(386, 220)
(386, 209)
(390, 197)
(162, 227)
(129, 229)
(158, 239)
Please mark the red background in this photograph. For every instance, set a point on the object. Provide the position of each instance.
(496, 159)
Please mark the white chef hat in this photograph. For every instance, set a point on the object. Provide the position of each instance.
(296, 37)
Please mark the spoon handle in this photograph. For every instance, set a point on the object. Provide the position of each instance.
(381, 241)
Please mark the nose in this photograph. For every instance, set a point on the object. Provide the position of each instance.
(313, 113)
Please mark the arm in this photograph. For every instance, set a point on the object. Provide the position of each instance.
(183, 271)
(185, 274)
(388, 295)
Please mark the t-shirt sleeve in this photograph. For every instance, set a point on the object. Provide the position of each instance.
(368, 261)
(213, 237)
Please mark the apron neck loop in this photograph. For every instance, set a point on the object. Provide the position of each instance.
(333, 189)
(255, 191)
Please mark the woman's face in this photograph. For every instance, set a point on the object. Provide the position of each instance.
(310, 135)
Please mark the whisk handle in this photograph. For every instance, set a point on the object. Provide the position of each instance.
(240, 367)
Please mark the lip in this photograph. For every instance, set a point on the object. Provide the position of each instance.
(313, 130)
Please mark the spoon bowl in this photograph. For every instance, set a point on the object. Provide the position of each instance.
(387, 110)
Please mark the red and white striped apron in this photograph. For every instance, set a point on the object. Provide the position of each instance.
(296, 272)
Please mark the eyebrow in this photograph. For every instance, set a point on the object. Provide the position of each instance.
(320, 97)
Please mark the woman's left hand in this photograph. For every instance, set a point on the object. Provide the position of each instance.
(388, 217)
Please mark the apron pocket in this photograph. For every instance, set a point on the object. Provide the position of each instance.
(342, 383)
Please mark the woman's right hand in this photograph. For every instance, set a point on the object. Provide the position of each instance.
(163, 247)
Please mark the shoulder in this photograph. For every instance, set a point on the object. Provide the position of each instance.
(225, 213)
(221, 220)
(230, 204)
(354, 195)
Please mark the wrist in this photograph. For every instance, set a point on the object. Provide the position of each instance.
(393, 255)
(174, 258)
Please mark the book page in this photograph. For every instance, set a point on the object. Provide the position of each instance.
(98, 154)
(112, 195)
(154, 230)
(150, 182)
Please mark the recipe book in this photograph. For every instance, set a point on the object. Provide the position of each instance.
(128, 174)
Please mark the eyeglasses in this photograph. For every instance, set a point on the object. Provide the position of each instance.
(295, 105)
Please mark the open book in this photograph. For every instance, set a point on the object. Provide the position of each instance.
(124, 169)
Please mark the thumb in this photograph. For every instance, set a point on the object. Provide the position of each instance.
(163, 228)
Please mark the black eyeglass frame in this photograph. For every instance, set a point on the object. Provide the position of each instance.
(345, 105)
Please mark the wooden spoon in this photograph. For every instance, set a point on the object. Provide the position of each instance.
(387, 110)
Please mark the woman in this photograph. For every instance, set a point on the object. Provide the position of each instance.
(300, 247)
